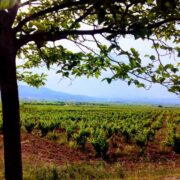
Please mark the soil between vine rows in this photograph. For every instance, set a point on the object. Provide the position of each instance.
(39, 150)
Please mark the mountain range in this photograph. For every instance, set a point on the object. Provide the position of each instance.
(39, 94)
(44, 94)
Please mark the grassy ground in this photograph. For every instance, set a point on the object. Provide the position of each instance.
(100, 170)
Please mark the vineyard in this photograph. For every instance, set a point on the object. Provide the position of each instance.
(101, 125)
(108, 132)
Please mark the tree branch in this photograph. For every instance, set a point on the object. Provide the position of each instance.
(54, 36)
(82, 17)
(156, 25)
(49, 10)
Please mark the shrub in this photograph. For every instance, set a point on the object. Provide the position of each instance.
(70, 130)
(44, 127)
(141, 139)
(53, 136)
(100, 145)
(29, 125)
(81, 138)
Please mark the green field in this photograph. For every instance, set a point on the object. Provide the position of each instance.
(98, 124)
(110, 131)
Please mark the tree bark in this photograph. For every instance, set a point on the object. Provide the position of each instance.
(11, 119)
(10, 106)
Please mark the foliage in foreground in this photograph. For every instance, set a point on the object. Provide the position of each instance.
(96, 29)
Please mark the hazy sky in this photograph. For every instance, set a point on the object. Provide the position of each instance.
(97, 88)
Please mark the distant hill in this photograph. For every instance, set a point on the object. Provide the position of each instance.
(45, 94)
(31, 93)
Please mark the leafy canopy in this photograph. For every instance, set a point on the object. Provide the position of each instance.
(97, 27)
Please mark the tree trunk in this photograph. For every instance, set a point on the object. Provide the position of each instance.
(10, 108)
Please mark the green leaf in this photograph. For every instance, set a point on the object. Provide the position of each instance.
(152, 57)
